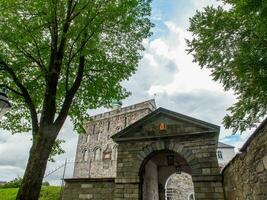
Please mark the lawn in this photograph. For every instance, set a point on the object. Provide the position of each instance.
(47, 193)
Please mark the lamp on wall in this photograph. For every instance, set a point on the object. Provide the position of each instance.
(4, 103)
(178, 169)
(170, 160)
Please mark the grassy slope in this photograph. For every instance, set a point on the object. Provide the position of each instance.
(47, 193)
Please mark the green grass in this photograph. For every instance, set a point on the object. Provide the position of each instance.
(47, 193)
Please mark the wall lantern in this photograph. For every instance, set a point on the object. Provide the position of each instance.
(4, 104)
(170, 160)
(178, 169)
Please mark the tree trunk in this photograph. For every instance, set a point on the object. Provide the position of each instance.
(34, 173)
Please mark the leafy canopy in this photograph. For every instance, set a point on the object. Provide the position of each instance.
(104, 35)
(232, 44)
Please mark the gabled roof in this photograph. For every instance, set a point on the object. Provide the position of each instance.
(162, 111)
(223, 145)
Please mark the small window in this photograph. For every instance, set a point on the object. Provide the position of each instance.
(114, 153)
(97, 154)
(85, 155)
(219, 154)
(87, 138)
(125, 121)
(108, 125)
(107, 156)
(94, 129)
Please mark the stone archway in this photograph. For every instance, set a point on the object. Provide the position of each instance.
(156, 170)
(194, 141)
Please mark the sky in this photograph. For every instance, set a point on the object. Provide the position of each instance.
(166, 72)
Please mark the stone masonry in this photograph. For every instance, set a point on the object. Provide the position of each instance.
(112, 155)
(180, 187)
(193, 140)
(97, 143)
(245, 177)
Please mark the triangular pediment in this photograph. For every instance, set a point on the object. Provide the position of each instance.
(164, 123)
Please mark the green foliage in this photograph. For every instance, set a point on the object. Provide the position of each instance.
(12, 184)
(56, 150)
(232, 44)
(107, 33)
(47, 193)
(46, 183)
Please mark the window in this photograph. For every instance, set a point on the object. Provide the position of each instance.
(114, 153)
(85, 155)
(94, 129)
(125, 121)
(87, 138)
(219, 154)
(107, 155)
(97, 154)
(108, 125)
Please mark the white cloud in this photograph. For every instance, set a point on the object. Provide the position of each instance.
(166, 69)
(14, 152)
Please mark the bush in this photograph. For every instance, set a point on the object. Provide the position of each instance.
(46, 183)
(12, 184)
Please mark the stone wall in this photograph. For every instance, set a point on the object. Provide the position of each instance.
(206, 178)
(245, 177)
(79, 189)
(151, 182)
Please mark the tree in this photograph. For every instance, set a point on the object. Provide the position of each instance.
(232, 44)
(59, 58)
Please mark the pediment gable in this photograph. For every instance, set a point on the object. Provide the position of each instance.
(164, 123)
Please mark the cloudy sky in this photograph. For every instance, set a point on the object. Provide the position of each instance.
(165, 73)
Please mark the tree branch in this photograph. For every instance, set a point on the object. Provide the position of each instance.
(70, 95)
(64, 32)
(12, 90)
(25, 94)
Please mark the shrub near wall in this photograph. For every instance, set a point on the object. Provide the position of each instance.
(245, 177)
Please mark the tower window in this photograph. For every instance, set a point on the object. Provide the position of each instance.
(108, 125)
(125, 121)
(97, 154)
(94, 129)
(85, 155)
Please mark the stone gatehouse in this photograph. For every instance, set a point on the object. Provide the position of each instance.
(149, 146)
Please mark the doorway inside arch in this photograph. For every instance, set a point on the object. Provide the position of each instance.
(160, 171)
(179, 187)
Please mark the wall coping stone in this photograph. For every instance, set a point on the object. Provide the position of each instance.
(73, 180)
(246, 144)
(253, 135)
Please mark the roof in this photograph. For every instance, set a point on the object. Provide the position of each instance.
(209, 126)
(223, 145)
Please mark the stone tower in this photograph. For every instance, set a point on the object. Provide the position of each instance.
(96, 153)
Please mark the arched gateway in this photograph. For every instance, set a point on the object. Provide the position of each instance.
(163, 143)
(151, 150)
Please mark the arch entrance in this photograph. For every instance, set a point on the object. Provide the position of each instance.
(162, 173)
(163, 148)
